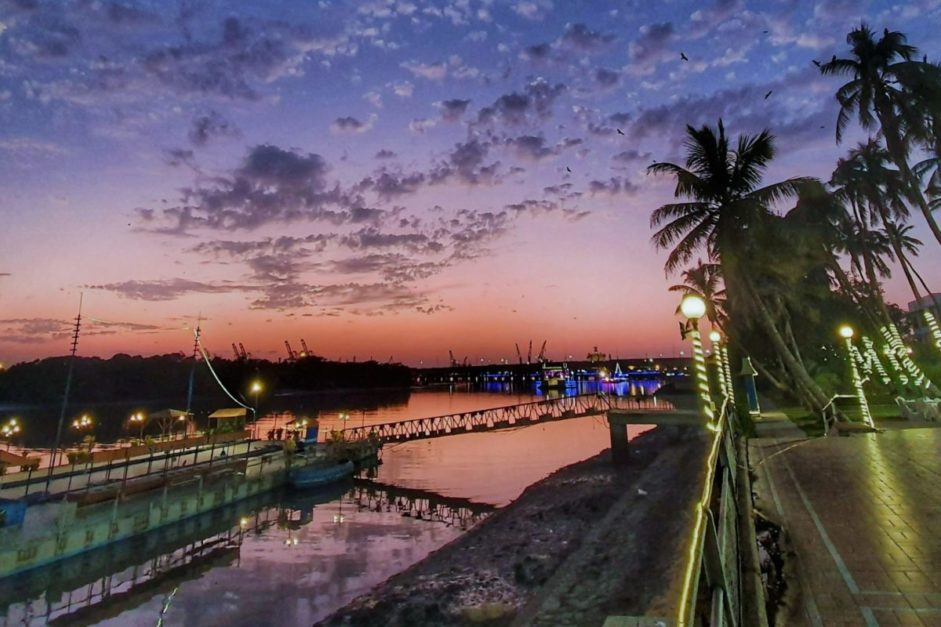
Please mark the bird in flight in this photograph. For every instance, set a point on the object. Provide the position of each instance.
(568, 169)
(770, 91)
(816, 62)
(683, 56)
(620, 132)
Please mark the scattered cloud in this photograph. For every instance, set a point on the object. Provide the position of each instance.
(349, 124)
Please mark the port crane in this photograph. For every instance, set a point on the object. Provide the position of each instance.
(542, 352)
(519, 355)
(292, 356)
(306, 351)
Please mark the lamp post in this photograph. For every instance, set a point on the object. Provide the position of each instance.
(693, 308)
(138, 419)
(716, 338)
(846, 332)
(83, 423)
(256, 389)
(10, 430)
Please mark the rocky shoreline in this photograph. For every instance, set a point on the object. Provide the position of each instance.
(591, 540)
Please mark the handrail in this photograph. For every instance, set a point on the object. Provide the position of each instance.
(823, 410)
(687, 605)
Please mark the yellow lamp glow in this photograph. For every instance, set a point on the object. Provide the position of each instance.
(693, 307)
(715, 336)
(846, 331)
(256, 387)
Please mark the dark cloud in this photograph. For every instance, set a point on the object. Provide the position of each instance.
(630, 156)
(606, 77)
(466, 163)
(385, 154)
(581, 37)
(515, 108)
(745, 109)
(33, 330)
(452, 110)
(531, 147)
(179, 156)
(473, 228)
(166, 289)
(538, 51)
(272, 185)
(650, 47)
(349, 124)
(371, 237)
(393, 267)
(284, 244)
(365, 214)
(614, 185)
(390, 185)
(209, 126)
(243, 56)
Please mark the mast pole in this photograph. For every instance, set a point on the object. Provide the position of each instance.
(68, 389)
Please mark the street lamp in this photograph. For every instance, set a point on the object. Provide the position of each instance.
(716, 338)
(693, 308)
(83, 423)
(10, 430)
(138, 419)
(846, 332)
(256, 390)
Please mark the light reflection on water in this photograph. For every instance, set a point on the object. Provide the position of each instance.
(294, 573)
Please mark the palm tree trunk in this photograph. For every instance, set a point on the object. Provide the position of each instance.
(896, 147)
(811, 392)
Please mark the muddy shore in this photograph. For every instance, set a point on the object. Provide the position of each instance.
(591, 540)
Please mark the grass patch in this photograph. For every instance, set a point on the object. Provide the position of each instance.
(811, 424)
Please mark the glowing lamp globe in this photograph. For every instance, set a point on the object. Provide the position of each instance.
(846, 331)
(693, 307)
(715, 336)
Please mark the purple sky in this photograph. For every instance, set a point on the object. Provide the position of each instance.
(388, 178)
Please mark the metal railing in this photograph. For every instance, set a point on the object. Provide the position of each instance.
(502, 417)
(721, 585)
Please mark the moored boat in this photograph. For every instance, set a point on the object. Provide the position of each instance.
(319, 475)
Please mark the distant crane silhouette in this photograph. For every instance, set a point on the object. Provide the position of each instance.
(518, 353)
(306, 352)
(542, 352)
(292, 356)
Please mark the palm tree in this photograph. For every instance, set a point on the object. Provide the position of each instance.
(885, 82)
(867, 173)
(723, 206)
(705, 280)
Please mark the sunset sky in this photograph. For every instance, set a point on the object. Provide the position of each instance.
(388, 178)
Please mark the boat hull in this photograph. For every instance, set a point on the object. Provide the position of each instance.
(315, 477)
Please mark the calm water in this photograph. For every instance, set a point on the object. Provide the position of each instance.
(291, 559)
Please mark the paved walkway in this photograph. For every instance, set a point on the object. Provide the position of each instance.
(863, 514)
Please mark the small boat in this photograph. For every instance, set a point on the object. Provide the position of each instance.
(316, 476)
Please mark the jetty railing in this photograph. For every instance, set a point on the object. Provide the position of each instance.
(121, 465)
(722, 581)
(509, 416)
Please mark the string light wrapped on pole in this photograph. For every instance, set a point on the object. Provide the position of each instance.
(693, 308)
(846, 332)
(716, 338)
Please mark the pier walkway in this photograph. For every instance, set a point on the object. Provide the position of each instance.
(509, 417)
(862, 514)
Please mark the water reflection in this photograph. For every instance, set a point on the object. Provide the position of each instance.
(299, 557)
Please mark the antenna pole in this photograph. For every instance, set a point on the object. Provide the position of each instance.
(189, 392)
(68, 388)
